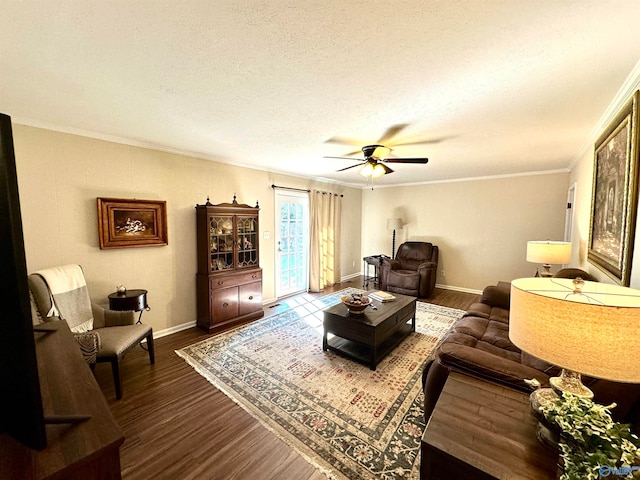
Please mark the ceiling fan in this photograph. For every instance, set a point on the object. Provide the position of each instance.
(376, 156)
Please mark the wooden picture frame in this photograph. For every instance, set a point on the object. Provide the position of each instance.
(614, 199)
(124, 223)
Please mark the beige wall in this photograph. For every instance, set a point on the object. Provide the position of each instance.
(61, 175)
(581, 176)
(481, 226)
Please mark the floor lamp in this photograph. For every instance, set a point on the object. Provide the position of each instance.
(394, 224)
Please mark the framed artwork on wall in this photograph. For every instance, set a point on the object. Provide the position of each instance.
(124, 223)
(615, 195)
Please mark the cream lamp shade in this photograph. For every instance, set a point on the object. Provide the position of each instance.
(394, 224)
(587, 327)
(548, 253)
(554, 253)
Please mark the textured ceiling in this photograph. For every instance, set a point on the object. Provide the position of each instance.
(501, 87)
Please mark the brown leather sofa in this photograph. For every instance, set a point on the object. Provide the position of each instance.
(479, 345)
(413, 271)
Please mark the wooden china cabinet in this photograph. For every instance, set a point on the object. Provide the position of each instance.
(229, 278)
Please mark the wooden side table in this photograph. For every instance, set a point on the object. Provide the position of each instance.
(480, 430)
(376, 261)
(129, 300)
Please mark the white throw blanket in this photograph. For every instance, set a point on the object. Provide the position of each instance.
(69, 296)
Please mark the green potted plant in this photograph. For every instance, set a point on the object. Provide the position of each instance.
(592, 445)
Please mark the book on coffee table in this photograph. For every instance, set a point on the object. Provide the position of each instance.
(382, 296)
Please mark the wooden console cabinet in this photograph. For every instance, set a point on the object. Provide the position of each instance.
(229, 278)
(483, 431)
(89, 449)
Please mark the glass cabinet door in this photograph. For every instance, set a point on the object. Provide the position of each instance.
(247, 241)
(221, 242)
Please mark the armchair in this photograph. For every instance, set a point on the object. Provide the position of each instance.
(573, 273)
(413, 271)
(60, 293)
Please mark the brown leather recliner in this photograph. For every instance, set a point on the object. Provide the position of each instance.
(413, 271)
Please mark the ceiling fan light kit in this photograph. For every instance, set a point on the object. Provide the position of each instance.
(373, 169)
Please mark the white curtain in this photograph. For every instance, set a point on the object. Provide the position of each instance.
(324, 230)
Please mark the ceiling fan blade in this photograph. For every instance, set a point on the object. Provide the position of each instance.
(347, 168)
(355, 152)
(345, 158)
(426, 141)
(407, 160)
(392, 131)
(387, 170)
(344, 141)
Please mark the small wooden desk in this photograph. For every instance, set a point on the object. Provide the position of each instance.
(480, 430)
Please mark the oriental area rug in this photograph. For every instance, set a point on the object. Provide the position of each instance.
(349, 421)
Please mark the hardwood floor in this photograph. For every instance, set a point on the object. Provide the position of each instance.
(178, 426)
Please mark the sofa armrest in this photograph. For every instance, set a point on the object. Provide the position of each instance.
(485, 365)
(427, 266)
(387, 265)
(103, 317)
(497, 296)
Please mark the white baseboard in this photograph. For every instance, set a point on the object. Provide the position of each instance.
(459, 289)
(445, 287)
(349, 277)
(176, 329)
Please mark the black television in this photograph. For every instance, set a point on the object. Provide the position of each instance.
(21, 413)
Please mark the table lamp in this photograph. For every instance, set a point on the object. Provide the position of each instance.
(548, 253)
(583, 327)
(394, 224)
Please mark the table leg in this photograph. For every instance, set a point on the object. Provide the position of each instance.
(365, 269)
(374, 356)
(140, 321)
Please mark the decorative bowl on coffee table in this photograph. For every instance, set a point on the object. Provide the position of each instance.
(356, 303)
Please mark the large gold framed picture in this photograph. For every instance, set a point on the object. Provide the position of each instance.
(124, 223)
(615, 195)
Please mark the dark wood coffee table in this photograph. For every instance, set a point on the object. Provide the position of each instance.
(482, 431)
(371, 336)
